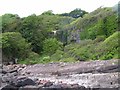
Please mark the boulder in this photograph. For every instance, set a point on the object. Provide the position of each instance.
(22, 81)
(9, 87)
(48, 84)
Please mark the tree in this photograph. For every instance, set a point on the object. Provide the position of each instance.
(51, 45)
(32, 30)
(49, 12)
(10, 23)
(75, 13)
(36, 29)
(14, 45)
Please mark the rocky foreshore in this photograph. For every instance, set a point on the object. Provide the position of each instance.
(91, 75)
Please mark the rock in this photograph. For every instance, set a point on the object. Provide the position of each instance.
(8, 71)
(23, 66)
(12, 71)
(4, 71)
(30, 87)
(48, 84)
(76, 86)
(7, 78)
(9, 87)
(15, 73)
(22, 81)
(19, 69)
(1, 65)
(107, 69)
(56, 73)
(58, 86)
(65, 87)
(36, 80)
(104, 89)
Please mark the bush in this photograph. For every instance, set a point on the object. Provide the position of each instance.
(57, 55)
(14, 46)
(70, 59)
(50, 46)
(94, 49)
(107, 49)
(33, 55)
(100, 38)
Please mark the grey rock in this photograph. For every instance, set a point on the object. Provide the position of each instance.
(30, 87)
(9, 87)
(48, 84)
(12, 71)
(3, 71)
(22, 81)
(6, 79)
(56, 86)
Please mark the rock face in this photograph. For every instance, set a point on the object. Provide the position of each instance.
(91, 75)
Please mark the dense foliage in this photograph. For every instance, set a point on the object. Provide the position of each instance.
(75, 13)
(95, 49)
(51, 46)
(103, 21)
(10, 22)
(49, 37)
(14, 45)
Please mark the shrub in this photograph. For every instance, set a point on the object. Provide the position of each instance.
(108, 48)
(57, 55)
(70, 59)
(94, 49)
(50, 46)
(100, 38)
(14, 45)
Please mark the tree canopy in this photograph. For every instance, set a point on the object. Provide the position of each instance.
(14, 45)
(75, 13)
(49, 36)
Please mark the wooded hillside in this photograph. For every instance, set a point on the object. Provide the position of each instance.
(67, 37)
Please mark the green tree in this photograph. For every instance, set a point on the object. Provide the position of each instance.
(75, 13)
(14, 45)
(10, 23)
(32, 30)
(49, 12)
(36, 29)
(51, 45)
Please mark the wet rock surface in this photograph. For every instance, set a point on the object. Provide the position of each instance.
(91, 75)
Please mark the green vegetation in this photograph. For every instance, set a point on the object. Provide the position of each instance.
(51, 46)
(14, 45)
(48, 37)
(95, 49)
(102, 21)
(75, 13)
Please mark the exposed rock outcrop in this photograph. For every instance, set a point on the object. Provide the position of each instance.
(91, 75)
